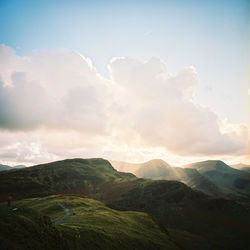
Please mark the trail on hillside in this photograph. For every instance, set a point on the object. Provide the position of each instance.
(67, 214)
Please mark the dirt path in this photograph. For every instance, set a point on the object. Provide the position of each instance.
(67, 214)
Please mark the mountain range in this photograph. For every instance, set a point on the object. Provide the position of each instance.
(188, 217)
(211, 177)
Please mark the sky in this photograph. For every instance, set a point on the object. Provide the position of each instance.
(124, 80)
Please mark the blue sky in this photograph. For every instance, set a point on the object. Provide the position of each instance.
(212, 36)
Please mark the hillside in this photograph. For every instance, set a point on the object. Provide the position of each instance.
(92, 225)
(241, 166)
(194, 219)
(25, 228)
(160, 170)
(230, 180)
(4, 167)
(76, 176)
(178, 207)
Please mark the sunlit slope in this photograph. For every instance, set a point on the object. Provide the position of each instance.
(160, 170)
(230, 180)
(92, 225)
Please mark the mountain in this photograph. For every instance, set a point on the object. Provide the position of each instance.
(6, 167)
(229, 180)
(241, 166)
(74, 176)
(126, 166)
(89, 224)
(192, 218)
(19, 166)
(160, 170)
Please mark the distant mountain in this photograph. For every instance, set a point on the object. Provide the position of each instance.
(160, 170)
(230, 180)
(241, 166)
(6, 167)
(20, 166)
(196, 220)
(125, 166)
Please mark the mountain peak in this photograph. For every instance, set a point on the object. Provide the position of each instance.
(157, 162)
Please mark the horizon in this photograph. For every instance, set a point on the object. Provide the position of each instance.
(127, 81)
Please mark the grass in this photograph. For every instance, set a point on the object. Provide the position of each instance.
(92, 225)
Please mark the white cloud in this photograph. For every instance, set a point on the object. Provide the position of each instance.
(56, 105)
(163, 112)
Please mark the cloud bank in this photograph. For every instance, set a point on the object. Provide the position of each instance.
(53, 104)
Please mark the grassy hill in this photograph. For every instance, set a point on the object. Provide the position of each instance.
(224, 223)
(193, 218)
(25, 229)
(92, 225)
(76, 176)
(230, 180)
(160, 170)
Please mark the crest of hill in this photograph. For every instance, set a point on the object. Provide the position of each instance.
(211, 165)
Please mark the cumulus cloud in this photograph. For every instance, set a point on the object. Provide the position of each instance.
(163, 112)
(61, 104)
(60, 89)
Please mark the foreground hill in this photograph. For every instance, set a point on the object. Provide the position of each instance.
(160, 170)
(194, 219)
(89, 225)
(230, 180)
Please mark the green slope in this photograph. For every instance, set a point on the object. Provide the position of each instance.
(26, 229)
(82, 176)
(92, 225)
(223, 223)
(230, 180)
(179, 208)
(160, 170)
